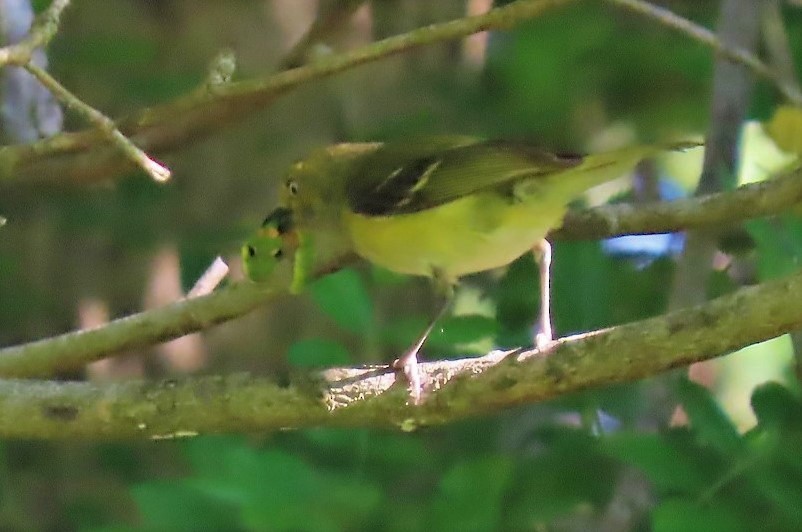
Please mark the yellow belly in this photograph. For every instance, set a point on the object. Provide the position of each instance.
(472, 234)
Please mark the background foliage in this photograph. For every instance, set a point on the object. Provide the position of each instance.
(667, 453)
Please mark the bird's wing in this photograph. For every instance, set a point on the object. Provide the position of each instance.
(403, 179)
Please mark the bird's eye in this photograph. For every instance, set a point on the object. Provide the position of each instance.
(278, 253)
(292, 186)
(251, 251)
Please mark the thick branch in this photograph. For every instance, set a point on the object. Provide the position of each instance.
(368, 397)
(75, 349)
(749, 201)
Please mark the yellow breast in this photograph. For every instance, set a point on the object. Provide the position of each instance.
(472, 234)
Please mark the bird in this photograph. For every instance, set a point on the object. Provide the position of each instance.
(440, 207)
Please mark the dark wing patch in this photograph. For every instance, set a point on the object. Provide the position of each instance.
(396, 191)
(392, 181)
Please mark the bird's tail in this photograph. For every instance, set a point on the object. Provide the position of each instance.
(598, 168)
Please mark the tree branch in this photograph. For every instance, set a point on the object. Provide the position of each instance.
(78, 348)
(368, 396)
(748, 201)
(331, 16)
(86, 156)
(75, 349)
(103, 123)
(704, 36)
(40, 35)
(21, 55)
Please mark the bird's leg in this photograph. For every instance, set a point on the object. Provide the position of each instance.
(408, 362)
(542, 253)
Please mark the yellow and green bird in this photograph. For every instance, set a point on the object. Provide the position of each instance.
(442, 207)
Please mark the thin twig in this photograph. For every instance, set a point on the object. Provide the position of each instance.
(79, 157)
(210, 279)
(708, 38)
(778, 47)
(332, 15)
(75, 349)
(40, 35)
(102, 122)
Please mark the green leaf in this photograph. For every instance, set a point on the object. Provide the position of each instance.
(342, 295)
(402, 331)
(779, 244)
(470, 494)
(785, 128)
(271, 489)
(115, 50)
(518, 302)
(666, 465)
(390, 453)
(568, 472)
(464, 329)
(384, 276)
(708, 420)
(775, 405)
(212, 456)
(681, 515)
(582, 290)
(317, 353)
(783, 489)
(289, 494)
(176, 506)
(450, 334)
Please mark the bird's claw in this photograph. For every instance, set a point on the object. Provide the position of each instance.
(408, 364)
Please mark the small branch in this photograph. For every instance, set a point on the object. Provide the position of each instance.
(748, 201)
(332, 16)
(83, 157)
(102, 122)
(47, 26)
(369, 397)
(41, 34)
(75, 349)
(708, 38)
(221, 70)
(210, 279)
(778, 47)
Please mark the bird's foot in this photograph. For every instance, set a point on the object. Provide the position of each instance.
(543, 340)
(408, 364)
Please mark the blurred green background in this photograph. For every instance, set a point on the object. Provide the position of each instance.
(663, 454)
